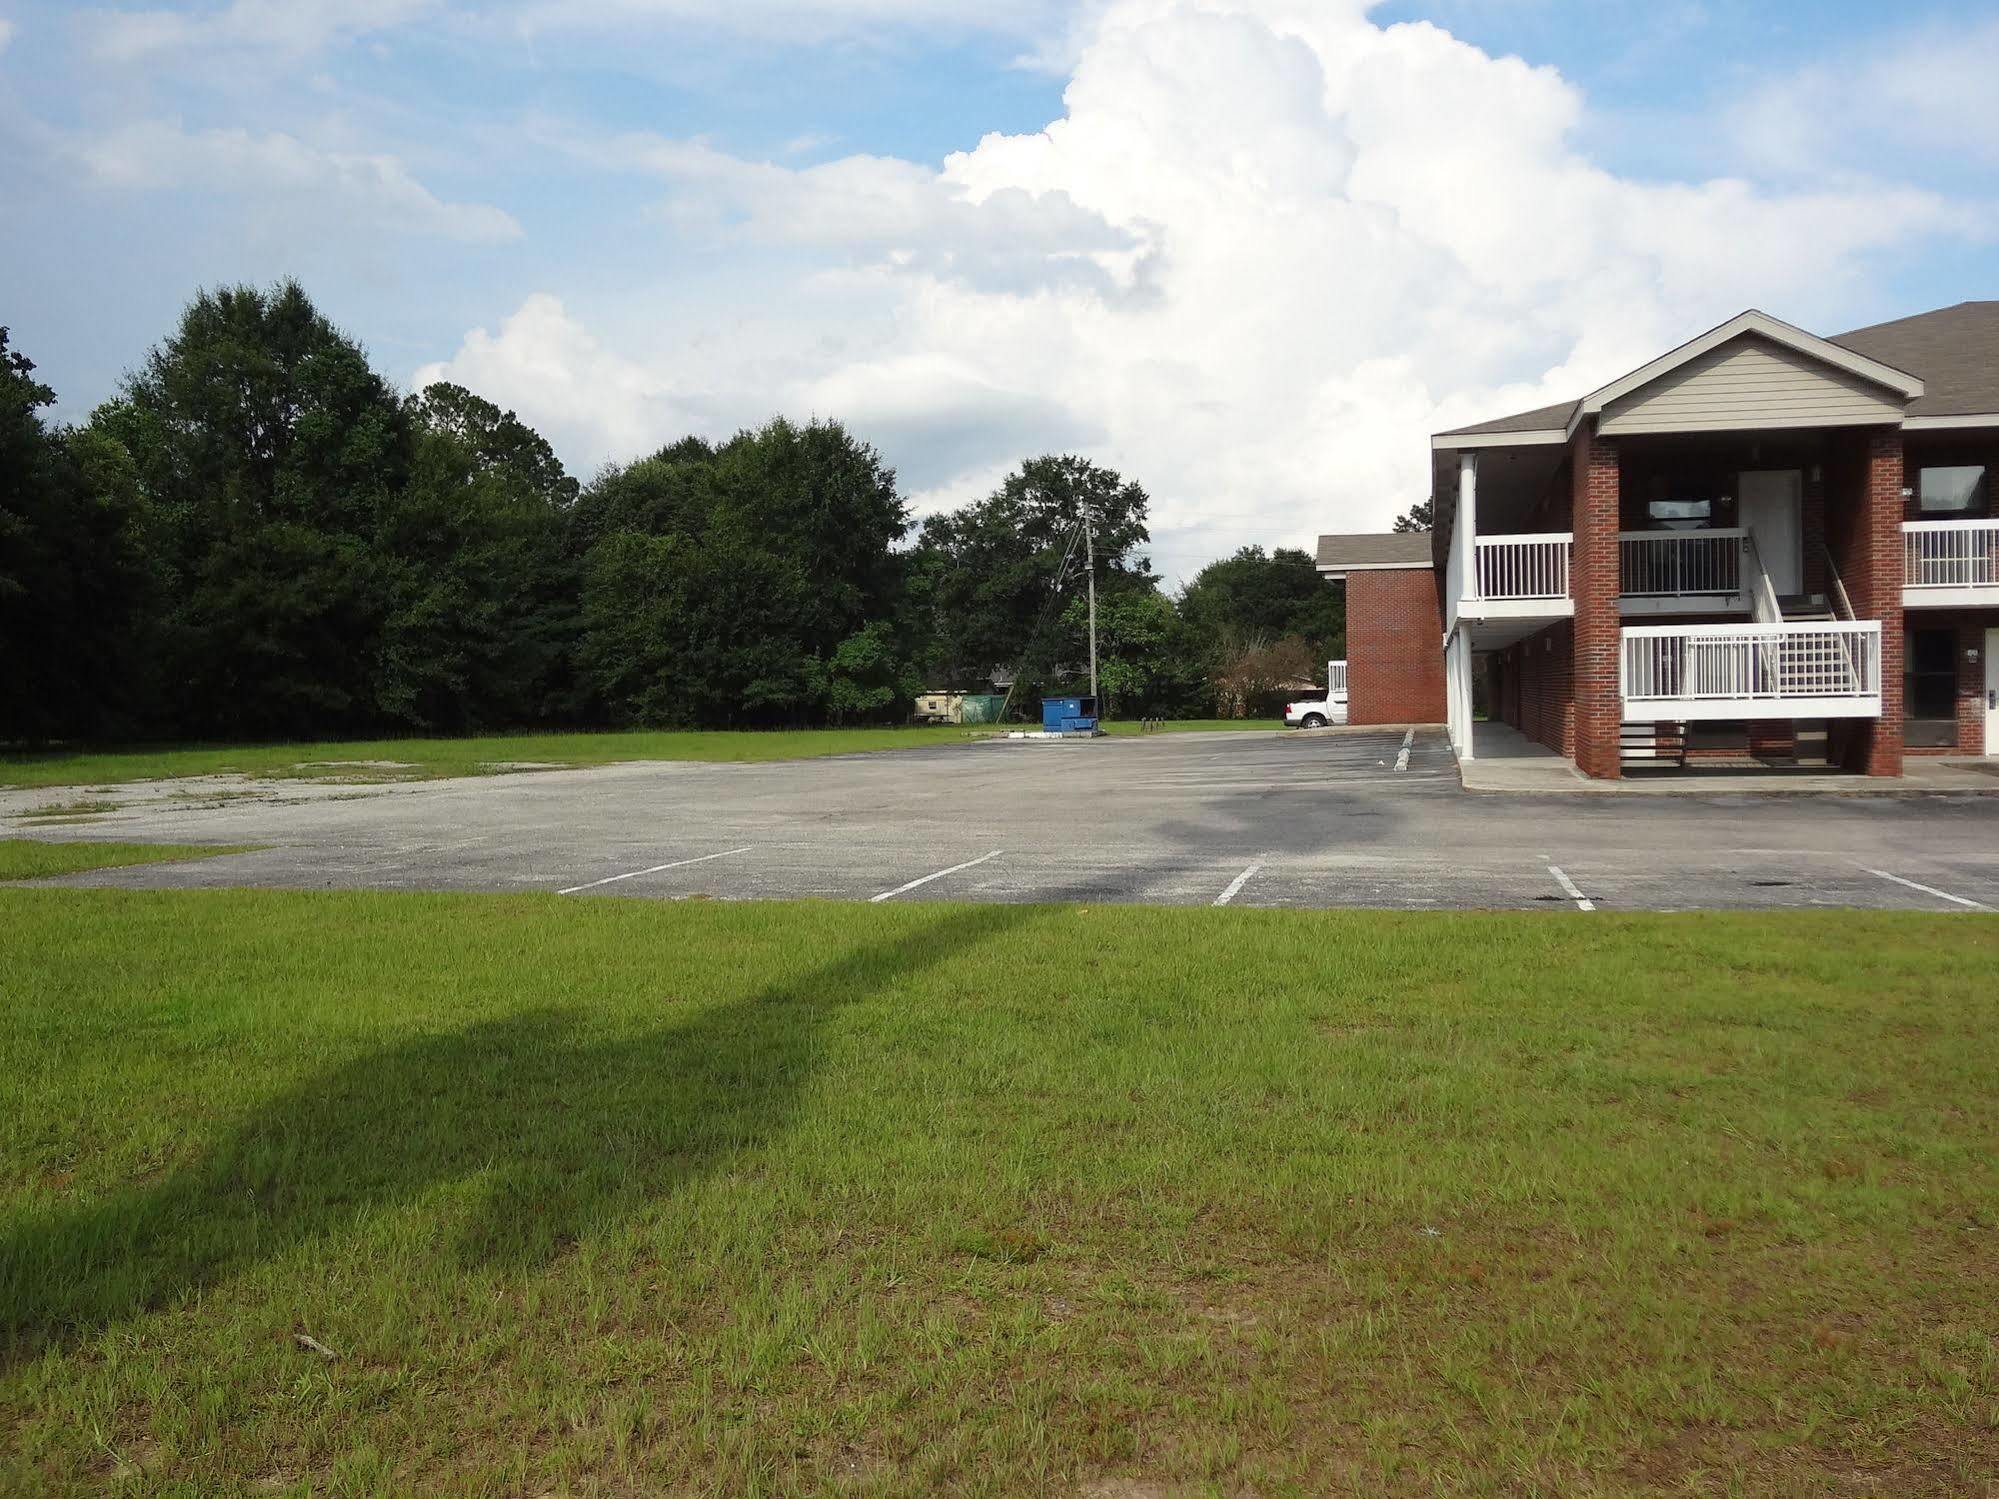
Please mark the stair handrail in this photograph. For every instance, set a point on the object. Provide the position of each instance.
(1842, 606)
(1763, 605)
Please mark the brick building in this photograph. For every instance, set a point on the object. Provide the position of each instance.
(1763, 544)
(1395, 674)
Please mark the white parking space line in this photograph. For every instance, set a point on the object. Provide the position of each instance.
(1236, 884)
(904, 889)
(1583, 902)
(1928, 890)
(1402, 760)
(657, 868)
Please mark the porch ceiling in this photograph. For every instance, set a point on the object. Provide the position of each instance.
(1511, 482)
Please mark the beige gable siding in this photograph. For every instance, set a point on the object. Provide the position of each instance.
(1751, 382)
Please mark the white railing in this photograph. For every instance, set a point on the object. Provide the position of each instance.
(1763, 602)
(1828, 669)
(1951, 553)
(1336, 678)
(1661, 564)
(1524, 567)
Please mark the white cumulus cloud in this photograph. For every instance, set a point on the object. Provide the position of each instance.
(358, 189)
(1268, 246)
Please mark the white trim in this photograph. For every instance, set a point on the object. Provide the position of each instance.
(1951, 598)
(1548, 609)
(1341, 569)
(1707, 709)
(1947, 423)
(1777, 331)
(1452, 442)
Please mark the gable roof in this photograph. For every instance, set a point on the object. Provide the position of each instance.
(1522, 427)
(1374, 551)
(1541, 418)
(1954, 349)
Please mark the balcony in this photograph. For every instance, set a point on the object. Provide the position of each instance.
(1950, 564)
(1682, 572)
(1526, 577)
(1522, 577)
(1802, 670)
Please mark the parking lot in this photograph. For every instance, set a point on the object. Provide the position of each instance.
(1353, 818)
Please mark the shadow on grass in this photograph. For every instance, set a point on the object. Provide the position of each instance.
(572, 1135)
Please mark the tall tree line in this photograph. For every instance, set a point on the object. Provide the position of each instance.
(259, 538)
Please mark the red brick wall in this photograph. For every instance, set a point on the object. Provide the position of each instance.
(1599, 706)
(1539, 699)
(1864, 533)
(1395, 657)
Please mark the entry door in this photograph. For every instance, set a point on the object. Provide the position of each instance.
(1992, 692)
(1773, 506)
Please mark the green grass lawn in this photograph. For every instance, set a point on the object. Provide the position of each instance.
(31, 859)
(631, 1197)
(421, 759)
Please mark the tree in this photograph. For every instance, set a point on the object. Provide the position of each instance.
(1250, 679)
(1257, 595)
(477, 612)
(74, 576)
(1144, 666)
(991, 574)
(754, 582)
(269, 451)
(1416, 518)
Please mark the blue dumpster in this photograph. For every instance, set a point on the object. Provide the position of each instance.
(1069, 715)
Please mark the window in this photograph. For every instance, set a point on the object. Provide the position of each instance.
(1955, 490)
(1932, 685)
(1680, 515)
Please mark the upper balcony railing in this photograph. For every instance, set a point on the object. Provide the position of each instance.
(1946, 555)
(1665, 564)
(1523, 567)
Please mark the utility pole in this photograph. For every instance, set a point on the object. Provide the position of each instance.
(1090, 553)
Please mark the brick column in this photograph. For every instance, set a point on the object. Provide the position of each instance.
(1593, 579)
(1871, 564)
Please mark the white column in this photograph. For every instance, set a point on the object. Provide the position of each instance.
(1457, 691)
(1467, 527)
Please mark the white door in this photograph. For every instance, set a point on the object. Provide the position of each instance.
(1773, 506)
(1992, 692)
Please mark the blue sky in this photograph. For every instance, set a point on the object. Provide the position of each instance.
(1250, 251)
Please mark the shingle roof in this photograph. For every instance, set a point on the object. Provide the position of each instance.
(1954, 351)
(1376, 549)
(1540, 419)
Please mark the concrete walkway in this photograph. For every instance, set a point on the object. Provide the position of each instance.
(1504, 759)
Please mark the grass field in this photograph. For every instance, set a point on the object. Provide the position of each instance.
(429, 759)
(626, 1197)
(31, 859)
